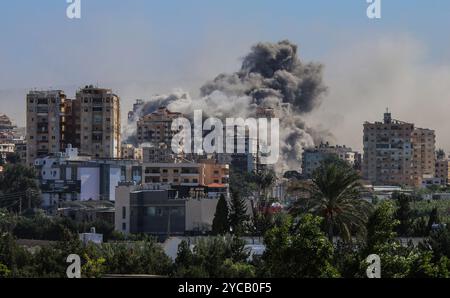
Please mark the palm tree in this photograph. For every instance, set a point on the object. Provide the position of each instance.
(265, 179)
(334, 194)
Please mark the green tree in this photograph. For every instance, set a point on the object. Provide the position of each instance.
(439, 242)
(242, 183)
(221, 225)
(396, 259)
(238, 214)
(262, 220)
(334, 194)
(4, 271)
(19, 188)
(381, 226)
(298, 250)
(264, 179)
(434, 219)
(403, 214)
(214, 257)
(93, 267)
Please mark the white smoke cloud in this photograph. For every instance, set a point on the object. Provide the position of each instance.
(397, 72)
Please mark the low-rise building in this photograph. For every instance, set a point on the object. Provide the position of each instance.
(70, 177)
(205, 173)
(5, 150)
(159, 210)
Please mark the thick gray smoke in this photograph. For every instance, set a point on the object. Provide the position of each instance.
(272, 75)
(274, 70)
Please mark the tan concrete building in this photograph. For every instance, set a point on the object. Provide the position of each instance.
(205, 173)
(397, 153)
(424, 154)
(156, 128)
(91, 122)
(129, 151)
(100, 122)
(45, 123)
(443, 170)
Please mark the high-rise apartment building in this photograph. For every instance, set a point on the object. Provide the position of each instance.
(45, 123)
(397, 153)
(91, 123)
(156, 128)
(443, 170)
(99, 122)
(424, 155)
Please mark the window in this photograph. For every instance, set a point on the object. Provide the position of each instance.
(124, 212)
(124, 226)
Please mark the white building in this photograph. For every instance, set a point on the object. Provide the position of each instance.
(70, 177)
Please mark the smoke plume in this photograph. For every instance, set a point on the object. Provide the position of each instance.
(273, 76)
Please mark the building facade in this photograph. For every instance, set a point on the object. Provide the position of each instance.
(100, 122)
(70, 177)
(90, 122)
(443, 170)
(159, 210)
(203, 173)
(129, 151)
(45, 123)
(156, 128)
(398, 153)
(312, 158)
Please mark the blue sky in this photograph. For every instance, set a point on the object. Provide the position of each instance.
(143, 47)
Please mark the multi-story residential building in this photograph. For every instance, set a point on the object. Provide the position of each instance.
(129, 151)
(187, 173)
(45, 123)
(72, 113)
(21, 150)
(5, 123)
(208, 175)
(160, 154)
(91, 122)
(135, 113)
(312, 158)
(156, 128)
(424, 155)
(70, 177)
(160, 210)
(100, 122)
(6, 149)
(443, 170)
(398, 153)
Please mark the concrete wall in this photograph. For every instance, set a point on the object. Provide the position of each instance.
(122, 194)
(200, 214)
(90, 183)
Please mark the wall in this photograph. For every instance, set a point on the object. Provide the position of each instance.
(90, 183)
